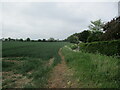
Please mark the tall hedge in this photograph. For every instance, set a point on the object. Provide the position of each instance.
(104, 47)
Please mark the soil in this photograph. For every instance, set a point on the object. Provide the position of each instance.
(50, 62)
(61, 76)
(17, 79)
(12, 79)
(14, 61)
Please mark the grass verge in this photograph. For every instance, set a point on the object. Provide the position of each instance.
(93, 70)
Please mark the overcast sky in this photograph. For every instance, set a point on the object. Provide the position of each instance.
(52, 19)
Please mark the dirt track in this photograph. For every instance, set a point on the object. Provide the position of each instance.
(61, 76)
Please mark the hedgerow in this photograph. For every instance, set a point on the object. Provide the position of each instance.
(104, 47)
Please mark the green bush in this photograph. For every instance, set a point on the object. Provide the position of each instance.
(75, 46)
(104, 47)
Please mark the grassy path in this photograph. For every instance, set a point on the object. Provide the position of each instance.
(61, 76)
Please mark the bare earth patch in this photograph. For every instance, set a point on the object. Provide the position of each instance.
(50, 62)
(15, 61)
(11, 60)
(61, 76)
(11, 79)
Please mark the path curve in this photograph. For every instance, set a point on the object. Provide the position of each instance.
(61, 75)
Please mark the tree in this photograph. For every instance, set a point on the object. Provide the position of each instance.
(39, 40)
(51, 39)
(112, 30)
(9, 39)
(73, 39)
(21, 40)
(83, 36)
(44, 40)
(96, 26)
(28, 39)
(95, 36)
(6, 39)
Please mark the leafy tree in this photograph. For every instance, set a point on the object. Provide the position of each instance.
(65, 40)
(28, 39)
(21, 40)
(39, 40)
(112, 30)
(95, 36)
(51, 39)
(44, 40)
(96, 26)
(73, 39)
(9, 39)
(83, 36)
(6, 39)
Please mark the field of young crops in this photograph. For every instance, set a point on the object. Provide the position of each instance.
(44, 50)
(26, 64)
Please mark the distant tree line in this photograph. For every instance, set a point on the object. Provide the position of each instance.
(29, 40)
(98, 31)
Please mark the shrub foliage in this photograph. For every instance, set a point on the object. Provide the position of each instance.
(104, 47)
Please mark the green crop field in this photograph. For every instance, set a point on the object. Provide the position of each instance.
(44, 50)
(25, 64)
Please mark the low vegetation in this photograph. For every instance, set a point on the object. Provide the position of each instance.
(93, 70)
